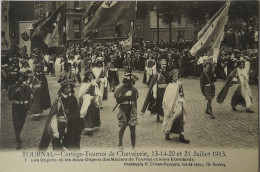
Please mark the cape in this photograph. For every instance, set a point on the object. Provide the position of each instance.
(46, 136)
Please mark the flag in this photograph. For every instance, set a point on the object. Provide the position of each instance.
(91, 11)
(211, 36)
(53, 41)
(127, 44)
(5, 36)
(46, 28)
(111, 13)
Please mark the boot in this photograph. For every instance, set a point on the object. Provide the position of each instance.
(167, 137)
(249, 111)
(234, 108)
(183, 140)
(89, 133)
(158, 118)
(18, 145)
(212, 116)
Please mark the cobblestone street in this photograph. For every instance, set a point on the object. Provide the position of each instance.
(230, 129)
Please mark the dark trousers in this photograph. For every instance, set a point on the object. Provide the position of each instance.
(50, 68)
(79, 78)
(19, 112)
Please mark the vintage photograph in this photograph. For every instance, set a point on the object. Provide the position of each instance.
(130, 75)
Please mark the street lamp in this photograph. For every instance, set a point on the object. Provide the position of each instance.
(155, 7)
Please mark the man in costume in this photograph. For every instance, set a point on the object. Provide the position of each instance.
(242, 95)
(20, 94)
(67, 73)
(41, 96)
(207, 79)
(113, 77)
(154, 98)
(150, 69)
(126, 96)
(128, 62)
(63, 126)
(89, 97)
(174, 108)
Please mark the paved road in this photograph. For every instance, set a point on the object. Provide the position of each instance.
(229, 129)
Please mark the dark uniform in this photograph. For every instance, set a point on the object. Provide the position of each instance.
(20, 94)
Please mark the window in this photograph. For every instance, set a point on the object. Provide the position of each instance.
(77, 29)
(179, 21)
(119, 30)
(76, 4)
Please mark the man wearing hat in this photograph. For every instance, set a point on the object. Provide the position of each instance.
(174, 108)
(89, 97)
(126, 96)
(154, 98)
(113, 77)
(67, 73)
(63, 126)
(242, 95)
(20, 94)
(41, 96)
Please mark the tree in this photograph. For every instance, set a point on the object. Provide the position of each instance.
(198, 12)
(169, 12)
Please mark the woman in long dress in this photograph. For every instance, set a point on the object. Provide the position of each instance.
(174, 109)
(90, 97)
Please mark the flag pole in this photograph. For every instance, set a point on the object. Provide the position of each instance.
(65, 30)
(133, 34)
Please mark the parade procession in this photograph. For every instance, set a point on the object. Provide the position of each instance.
(76, 75)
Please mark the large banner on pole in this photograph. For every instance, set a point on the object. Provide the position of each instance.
(5, 37)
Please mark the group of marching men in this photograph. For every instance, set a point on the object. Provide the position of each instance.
(70, 115)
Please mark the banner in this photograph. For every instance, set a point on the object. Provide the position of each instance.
(111, 13)
(5, 37)
(46, 29)
(212, 34)
(24, 36)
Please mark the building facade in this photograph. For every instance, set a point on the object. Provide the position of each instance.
(74, 14)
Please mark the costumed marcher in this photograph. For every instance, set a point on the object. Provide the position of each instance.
(89, 97)
(63, 126)
(4, 76)
(242, 95)
(101, 78)
(50, 68)
(150, 69)
(25, 66)
(154, 98)
(13, 70)
(126, 96)
(20, 94)
(31, 62)
(174, 108)
(207, 79)
(67, 73)
(113, 77)
(128, 62)
(41, 96)
(77, 66)
(59, 62)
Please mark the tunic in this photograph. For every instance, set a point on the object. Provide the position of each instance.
(127, 114)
